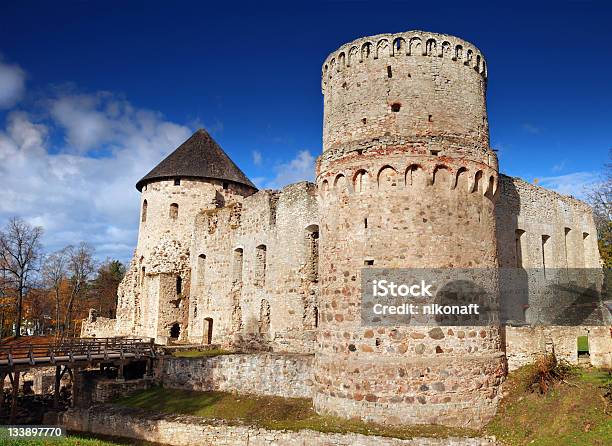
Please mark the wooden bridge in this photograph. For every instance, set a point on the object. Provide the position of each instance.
(67, 355)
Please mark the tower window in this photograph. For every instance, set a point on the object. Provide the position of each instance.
(395, 107)
(173, 211)
(177, 181)
(368, 262)
(179, 285)
(389, 72)
(430, 118)
(143, 217)
(312, 252)
(364, 120)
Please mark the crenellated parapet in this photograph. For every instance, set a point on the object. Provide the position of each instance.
(407, 44)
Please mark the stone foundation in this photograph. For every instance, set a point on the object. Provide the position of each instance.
(92, 389)
(189, 430)
(286, 375)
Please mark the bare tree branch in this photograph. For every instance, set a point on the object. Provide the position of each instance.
(20, 251)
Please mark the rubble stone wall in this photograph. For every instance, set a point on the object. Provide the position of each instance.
(286, 375)
(183, 430)
(252, 279)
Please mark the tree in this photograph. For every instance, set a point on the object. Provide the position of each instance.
(600, 198)
(105, 286)
(54, 275)
(80, 267)
(20, 251)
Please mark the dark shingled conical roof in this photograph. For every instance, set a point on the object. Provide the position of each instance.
(198, 157)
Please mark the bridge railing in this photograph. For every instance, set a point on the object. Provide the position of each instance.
(76, 349)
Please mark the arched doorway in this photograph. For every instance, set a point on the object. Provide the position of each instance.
(209, 330)
(175, 330)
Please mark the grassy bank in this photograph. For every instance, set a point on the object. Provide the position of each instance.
(76, 440)
(270, 413)
(571, 413)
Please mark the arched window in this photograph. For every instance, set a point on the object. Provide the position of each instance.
(174, 211)
(237, 264)
(143, 216)
(175, 330)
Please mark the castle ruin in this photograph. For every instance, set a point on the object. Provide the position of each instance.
(406, 179)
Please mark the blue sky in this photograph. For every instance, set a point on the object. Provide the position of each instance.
(94, 94)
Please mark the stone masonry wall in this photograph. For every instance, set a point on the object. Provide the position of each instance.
(525, 344)
(525, 213)
(406, 180)
(286, 375)
(183, 430)
(147, 304)
(253, 280)
(540, 230)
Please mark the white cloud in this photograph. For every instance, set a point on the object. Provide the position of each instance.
(574, 184)
(12, 84)
(300, 168)
(73, 190)
(257, 157)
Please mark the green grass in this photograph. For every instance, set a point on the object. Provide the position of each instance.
(71, 440)
(270, 413)
(201, 353)
(572, 413)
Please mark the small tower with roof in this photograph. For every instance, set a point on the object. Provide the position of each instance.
(154, 296)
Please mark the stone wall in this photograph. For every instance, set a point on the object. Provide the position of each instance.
(549, 238)
(148, 301)
(286, 375)
(183, 430)
(42, 378)
(98, 327)
(91, 388)
(525, 344)
(406, 180)
(526, 213)
(253, 281)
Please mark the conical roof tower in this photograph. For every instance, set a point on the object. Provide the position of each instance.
(198, 157)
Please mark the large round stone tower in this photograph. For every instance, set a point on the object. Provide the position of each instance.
(154, 295)
(407, 180)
